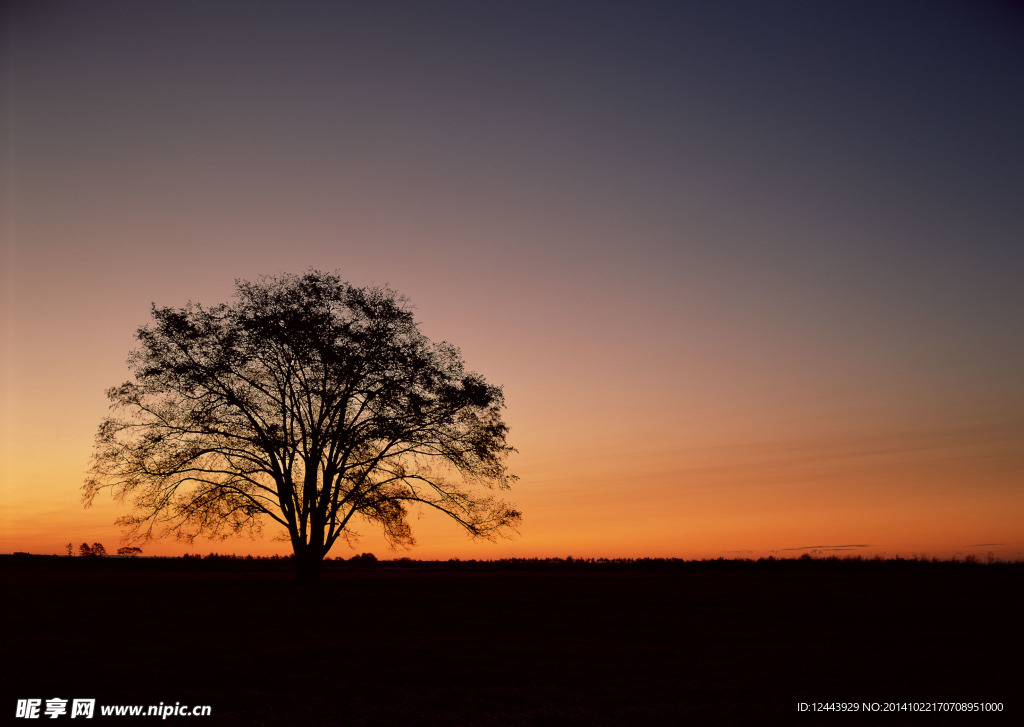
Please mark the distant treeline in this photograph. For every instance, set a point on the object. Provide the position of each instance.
(365, 561)
(770, 563)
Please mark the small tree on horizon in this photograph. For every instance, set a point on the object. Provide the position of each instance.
(84, 550)
(306, 401)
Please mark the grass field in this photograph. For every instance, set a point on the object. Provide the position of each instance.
(431, 646)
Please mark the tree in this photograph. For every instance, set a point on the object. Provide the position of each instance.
(98, 550)
(84, 550)
(129, 552)
(308, 402)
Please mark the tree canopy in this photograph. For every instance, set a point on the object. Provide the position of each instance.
(308, 402)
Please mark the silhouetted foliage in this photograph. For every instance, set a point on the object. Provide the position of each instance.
(129, 551)
(94, 550)
(307, 401)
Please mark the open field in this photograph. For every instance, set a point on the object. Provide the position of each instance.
(394, 646)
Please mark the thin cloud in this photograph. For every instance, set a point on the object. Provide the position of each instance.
(808, 457)
(830, 547)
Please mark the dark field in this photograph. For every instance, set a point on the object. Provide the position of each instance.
(395, 646)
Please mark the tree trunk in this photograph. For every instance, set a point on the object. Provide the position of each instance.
(307, 566)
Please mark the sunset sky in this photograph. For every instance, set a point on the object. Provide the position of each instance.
(750, 273)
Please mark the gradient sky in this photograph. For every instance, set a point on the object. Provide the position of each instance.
(750, 273)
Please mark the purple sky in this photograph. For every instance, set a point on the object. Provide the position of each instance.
(749, 272)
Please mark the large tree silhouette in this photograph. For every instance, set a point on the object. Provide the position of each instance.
(310, 402)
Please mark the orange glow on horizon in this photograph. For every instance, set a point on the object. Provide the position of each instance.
(859, 496)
